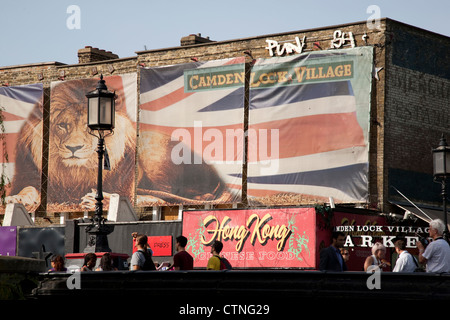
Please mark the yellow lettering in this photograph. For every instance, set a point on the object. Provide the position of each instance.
(262, 231)
(211, 81)
(265, 78)
(230, 78)
(321, 75)
(202, 82)
(347, 70)
(221, 79)
(314, 75)
(191, 83)
(338, 71)
(299, 74)
(252, 79)
(258, 226)
(206, 222)
(330, 72)
(239, 77)
(282, 76)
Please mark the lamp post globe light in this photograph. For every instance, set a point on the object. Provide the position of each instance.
(441, 171)
(100, 122)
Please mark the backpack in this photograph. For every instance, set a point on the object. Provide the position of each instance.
(225, 264)
(148, 264)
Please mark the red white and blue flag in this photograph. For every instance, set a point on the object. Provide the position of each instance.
(18, 104)
(308, 128)
(201, 105)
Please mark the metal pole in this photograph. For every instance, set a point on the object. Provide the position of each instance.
(98, 231)
(99, 195)
(444, 204)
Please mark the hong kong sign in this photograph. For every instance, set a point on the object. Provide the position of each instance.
(264, 238)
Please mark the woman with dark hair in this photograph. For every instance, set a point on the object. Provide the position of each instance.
(106, 263)
(90, 260)
(57, 264)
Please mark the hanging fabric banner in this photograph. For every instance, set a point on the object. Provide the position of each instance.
(308, 128)
(21, 147)
(191, 133)
(73, 158)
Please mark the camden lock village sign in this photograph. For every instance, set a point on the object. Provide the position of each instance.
(369, 234)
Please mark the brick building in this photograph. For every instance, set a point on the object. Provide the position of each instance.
(409, 98)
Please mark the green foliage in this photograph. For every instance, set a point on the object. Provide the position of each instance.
(326, 212)
(297, 242)
(194, 241)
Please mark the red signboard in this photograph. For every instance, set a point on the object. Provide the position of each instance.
(356, 227)
(262, 238)
(161, 245)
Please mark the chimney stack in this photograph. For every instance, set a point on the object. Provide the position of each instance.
(89, 54)
(194, 39)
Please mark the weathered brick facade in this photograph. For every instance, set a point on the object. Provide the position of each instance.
(410, 92)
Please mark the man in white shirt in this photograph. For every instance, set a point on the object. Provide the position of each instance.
(437, 254)
(405, 261)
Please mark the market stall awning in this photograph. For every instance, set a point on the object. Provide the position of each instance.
(426, 214)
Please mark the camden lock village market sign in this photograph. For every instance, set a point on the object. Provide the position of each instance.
(369, 234)
(364, 230)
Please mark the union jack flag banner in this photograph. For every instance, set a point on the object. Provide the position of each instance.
(308, 128)
(22, 121)
(191, 133)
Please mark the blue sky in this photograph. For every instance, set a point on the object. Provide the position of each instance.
(37, 31)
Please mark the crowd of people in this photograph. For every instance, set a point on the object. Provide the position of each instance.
(435, 255)
(182, 260)
(142, 258)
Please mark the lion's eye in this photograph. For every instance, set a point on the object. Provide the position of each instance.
(63, 126)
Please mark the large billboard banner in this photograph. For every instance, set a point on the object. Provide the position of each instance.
(191, 133)
(73, 160)
(21, 145)
(308, 127)
(260, 238)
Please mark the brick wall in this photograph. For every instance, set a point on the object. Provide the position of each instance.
(416, 110)
(407, 110)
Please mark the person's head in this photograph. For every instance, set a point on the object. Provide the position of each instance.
(181, 242)
(400, 245)
(57, 262)
(89, 260)
(437, 227)
(141, 241)
(379, 250)
(345, 254)
(217, 247)
(106, 262)
(338, 239)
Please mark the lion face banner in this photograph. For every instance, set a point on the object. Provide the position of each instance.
(191, 133)
(73, 160)
(308, 128)
(22, 143)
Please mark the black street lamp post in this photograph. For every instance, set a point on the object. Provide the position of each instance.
(441, 170)
(101, 109)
